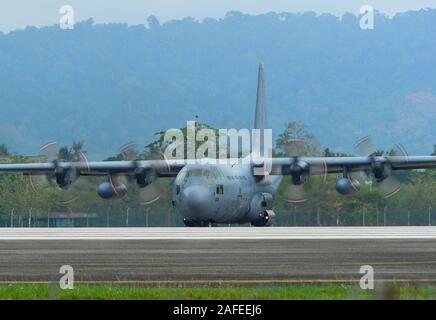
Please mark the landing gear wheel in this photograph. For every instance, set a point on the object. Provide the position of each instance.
(191, 223)
(198, 224)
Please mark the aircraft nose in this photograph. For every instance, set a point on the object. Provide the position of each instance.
(197, 199)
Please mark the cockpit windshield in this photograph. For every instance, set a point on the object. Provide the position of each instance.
(198, 173)
(208, 173)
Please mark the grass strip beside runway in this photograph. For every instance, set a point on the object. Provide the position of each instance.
(111, 292)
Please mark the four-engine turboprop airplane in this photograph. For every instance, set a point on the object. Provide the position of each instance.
(207, 193)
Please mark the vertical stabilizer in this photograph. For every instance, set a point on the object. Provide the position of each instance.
(261, 150)
(260, 115)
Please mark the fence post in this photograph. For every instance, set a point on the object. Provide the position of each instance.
(127, 217)
(12, 217)
(295, 216)
(384, 215)
(107, 217)
(87, 216)
(429, 215)
(146, 217)
(377, 213)
(30, 218)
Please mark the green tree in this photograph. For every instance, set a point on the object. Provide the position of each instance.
(73, 153)
(4, 151)
(296, 140)
(329, 153)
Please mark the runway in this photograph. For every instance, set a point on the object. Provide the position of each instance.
(218, 233)
(218, 256)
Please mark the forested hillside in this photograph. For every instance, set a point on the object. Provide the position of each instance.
(110, 84)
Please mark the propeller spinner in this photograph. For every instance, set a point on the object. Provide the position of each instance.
(381, 168)
(150, 188)
(65, 177)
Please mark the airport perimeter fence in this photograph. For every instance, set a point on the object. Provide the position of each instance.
(382, 217)
(127, 218)
(148, 218)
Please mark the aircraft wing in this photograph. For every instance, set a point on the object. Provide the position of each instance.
(164, 168)
(280, 166)
(323, 165)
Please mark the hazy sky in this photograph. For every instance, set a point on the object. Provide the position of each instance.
(16, 14)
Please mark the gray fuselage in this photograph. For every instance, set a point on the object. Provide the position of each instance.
(220, 193)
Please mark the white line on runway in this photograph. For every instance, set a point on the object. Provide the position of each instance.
(236, 233)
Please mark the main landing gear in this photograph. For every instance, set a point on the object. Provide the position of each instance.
(202, 224)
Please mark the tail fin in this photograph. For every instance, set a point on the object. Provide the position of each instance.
(260, 115)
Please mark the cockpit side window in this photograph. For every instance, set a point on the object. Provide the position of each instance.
(216, 173)
(220, 189)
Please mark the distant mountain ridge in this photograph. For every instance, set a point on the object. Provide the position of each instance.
(110, 84)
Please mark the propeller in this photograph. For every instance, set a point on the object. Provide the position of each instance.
(145, 180)
(300, 171)
(66, 178)
(381, 168)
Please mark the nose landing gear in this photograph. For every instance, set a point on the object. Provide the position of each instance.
(266, 219)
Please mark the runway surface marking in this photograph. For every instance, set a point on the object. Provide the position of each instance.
(223, 233)
(218, 282)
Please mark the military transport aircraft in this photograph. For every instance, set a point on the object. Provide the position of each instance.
(206, 194)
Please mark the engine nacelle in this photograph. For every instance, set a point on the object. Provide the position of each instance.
(65, 177)
(346, 186)
(299, 172)
(381, 170)
(107, 190)
(145, 177)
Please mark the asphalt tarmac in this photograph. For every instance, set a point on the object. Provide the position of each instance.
(219, 256)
